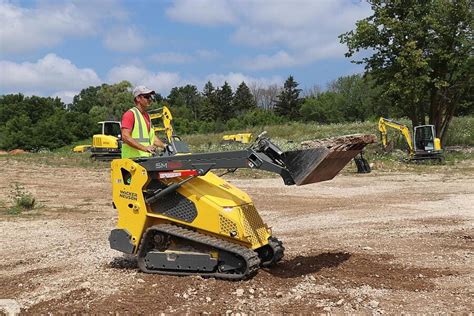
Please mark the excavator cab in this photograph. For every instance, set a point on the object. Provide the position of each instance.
(425, 139)
(111, 128)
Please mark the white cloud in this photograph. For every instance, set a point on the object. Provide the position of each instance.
(124, 39)
(26, 29)
(171, 58)
(305, 30)
(161, 82)
(202, 12)
(48, 75)
(261, 62)
(207, 54)
(235, 79)
(165, 58)
(65, 96)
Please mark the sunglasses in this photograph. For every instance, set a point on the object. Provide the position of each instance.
(147, 96)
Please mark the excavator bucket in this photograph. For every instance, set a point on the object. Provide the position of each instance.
(325, 160)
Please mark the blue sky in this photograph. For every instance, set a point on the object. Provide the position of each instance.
(57, 48)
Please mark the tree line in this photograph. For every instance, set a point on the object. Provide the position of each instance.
(35, 123)
(421, 67)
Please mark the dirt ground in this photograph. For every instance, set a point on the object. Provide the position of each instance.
(384, 242)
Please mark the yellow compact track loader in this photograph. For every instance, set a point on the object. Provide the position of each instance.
(243, 138)
(179, 218)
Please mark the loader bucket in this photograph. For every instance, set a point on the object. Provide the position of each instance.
(320, 163)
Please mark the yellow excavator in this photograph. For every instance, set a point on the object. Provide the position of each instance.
(423, 146)
(179, 218)
(162, 121)
(108, 144)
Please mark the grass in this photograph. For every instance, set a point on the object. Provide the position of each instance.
(58, 158)
(286, 136)
(460, 132)
(21, 200)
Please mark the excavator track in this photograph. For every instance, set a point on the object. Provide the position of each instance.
(225, 248)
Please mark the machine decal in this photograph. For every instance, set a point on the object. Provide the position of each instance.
(128, 195)
(175, 164)
(169, 165)
(161, 165)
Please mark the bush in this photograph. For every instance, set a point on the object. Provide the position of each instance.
(461, 131)
(22, 200)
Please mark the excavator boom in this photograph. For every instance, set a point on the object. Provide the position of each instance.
(166, 126)
(384, 122)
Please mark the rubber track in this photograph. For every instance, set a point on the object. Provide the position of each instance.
(278, 250)
(251, 257)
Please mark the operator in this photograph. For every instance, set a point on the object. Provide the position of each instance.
(138, 135)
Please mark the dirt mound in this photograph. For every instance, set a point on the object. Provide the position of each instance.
(340, 140)
(17, 152)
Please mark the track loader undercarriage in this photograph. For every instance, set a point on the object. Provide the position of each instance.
(179, 218)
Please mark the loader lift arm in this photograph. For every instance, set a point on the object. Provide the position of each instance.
(204, 162)
(223, 160)
(295, 167)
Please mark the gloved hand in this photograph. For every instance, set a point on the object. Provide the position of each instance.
(151, 149)
(169, 149)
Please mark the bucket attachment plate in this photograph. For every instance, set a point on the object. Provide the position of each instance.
(321, 163)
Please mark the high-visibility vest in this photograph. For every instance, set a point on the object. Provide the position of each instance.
(141, 134)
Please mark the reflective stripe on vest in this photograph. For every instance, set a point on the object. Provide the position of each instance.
(140, 120)
(141, 134)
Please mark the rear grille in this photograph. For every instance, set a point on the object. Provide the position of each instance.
(253, 224)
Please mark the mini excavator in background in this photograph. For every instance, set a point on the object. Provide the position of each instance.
(179, 218)
(108, 144)
(424, 145)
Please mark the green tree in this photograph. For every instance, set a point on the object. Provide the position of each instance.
(289, 102)
(208, 108)
(81, 125)
(357, 95)
(224, 103)
(17, 133)
(25, 123)
(243, 99)
(188, 98)
(115, 99)
(53, 132)
(85, 100)
(422, 56)
(324, 108)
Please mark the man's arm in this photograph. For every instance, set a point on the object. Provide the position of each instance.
(127, 138)
(159, 143)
